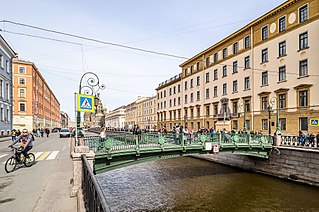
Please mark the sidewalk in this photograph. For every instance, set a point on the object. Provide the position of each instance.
(56, 194)
(5, 139)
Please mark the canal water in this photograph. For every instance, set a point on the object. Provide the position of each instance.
(189, 184)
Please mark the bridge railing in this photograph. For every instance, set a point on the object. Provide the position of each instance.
(293, 140)
(126, 141)
(93, 196)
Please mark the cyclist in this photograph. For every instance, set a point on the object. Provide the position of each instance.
(26, 140)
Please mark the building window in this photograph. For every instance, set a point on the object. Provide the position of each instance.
(215, 91)
(235, 67)
(264, 78)
(191, 68)
(303, 98)
(198, 81)
(225, 89)
(192, 97)
(22, 70)
(22, 107)
(186, 72)
(198, 95)
(282, 73)
(246, 83)
(303, 124)
(7, 66)
(224, 71)
(264, 124)
(247, 42)
(207, 61)
(224, 53)
(174, 101)
(235, 125)
(207, 93)
(185, 85)
(8, 90)
(1, 88)
(248, 124)
(215, 57)
(264, 103)
(282, 101)
(207, 77)
(247, 62)
(170, 103)
(235, 47)
(303, 40)
(198, 66)
(303, 13)
(174, 90)
(191, 83)
(282, 123)
(179, 88)
(170, 91)
(216, 109)
(303, 68)
(179, 100)
(282, 24)
(22, 81)
(215, 74)
(185, 99)
(207, 111)
(264, 55)
(264, 33)
(1, 61)
(164, 93)
(247, 105)
(282, 49)
(235, 86)
(235, 107)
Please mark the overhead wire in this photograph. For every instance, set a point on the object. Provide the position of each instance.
(94, 40)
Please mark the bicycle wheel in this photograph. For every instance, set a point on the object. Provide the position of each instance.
(10, 165)
(30, 160)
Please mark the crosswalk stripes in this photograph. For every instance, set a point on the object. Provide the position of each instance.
(40, 156)
(1, 156)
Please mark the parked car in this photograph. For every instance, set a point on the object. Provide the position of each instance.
(56, 129)
(65, 132)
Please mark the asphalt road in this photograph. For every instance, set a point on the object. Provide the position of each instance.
(38, 187)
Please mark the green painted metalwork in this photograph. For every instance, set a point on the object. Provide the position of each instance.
(118, 150)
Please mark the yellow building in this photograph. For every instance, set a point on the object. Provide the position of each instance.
(266, 68)
(35, 105)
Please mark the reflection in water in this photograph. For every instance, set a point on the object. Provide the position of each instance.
(189, 184)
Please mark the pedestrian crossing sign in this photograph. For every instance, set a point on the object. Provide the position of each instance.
(314, 122)
(85, 103)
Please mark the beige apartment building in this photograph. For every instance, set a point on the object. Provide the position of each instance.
(266, 68)
(141, 112)
(35, 105)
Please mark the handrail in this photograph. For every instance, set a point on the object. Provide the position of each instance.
(93, 196)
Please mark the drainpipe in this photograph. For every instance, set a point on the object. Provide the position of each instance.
(252, 77)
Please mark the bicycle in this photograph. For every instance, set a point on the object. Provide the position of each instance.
(12, 162)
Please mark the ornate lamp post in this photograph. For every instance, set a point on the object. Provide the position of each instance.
(90, 87)
(272, 102)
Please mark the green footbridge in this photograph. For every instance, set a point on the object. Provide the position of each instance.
(123, 149)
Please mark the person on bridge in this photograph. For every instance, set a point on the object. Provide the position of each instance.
(26, 140)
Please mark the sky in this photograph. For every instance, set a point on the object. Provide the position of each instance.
(182, 28)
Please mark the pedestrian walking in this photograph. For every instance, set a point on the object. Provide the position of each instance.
(13, 135)
(47, 131)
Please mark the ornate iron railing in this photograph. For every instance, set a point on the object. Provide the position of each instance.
(293, 140)
(93, 196)
(127, 141)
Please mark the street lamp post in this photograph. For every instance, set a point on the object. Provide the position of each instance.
(91, 87)
(272, 102)
(269, 109)
(242, 107)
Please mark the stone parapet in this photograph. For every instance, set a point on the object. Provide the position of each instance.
(78, 166)
(296, 164)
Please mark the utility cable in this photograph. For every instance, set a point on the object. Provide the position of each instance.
(94, 40)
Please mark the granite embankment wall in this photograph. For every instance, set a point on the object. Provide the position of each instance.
(296, 164)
